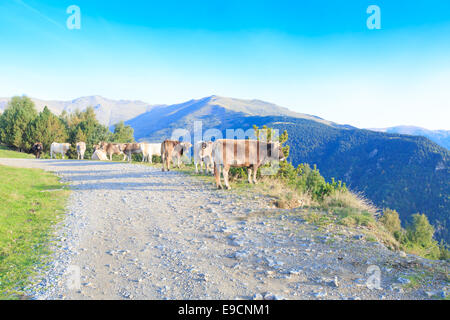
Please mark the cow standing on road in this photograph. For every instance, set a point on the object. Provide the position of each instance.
(250, 154)
(203, 154)
(149, 150)
(132, 148)
(81, 149)
(173, 149)
(61, 148)
(112, 148)
(37, 150)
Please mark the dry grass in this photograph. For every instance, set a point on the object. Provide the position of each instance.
(285, 197)
(347, 199)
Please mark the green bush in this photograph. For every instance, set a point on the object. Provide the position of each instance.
(391, 221)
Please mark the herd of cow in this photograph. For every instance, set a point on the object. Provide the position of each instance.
(218, 156)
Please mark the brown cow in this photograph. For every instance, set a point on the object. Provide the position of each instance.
(173, 148)
(250, 154)
(112, 148)
(132, 148)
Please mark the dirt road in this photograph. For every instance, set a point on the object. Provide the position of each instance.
(134, 232)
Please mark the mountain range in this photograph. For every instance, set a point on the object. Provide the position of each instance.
(108, 112)
(400, 168)
(404, 172)
(441, 137)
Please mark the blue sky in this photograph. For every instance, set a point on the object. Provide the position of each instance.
(316, 57)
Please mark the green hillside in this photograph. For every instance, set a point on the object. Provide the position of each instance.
(410, 174)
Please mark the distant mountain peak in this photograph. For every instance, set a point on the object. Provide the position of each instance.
(441, 137)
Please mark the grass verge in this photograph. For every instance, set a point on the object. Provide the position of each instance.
(33, 201)
(7, 153)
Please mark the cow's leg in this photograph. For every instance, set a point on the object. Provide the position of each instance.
(201, 166)
(168, 159)
(217, 175)
(150, 158)
(249, 174)
(196, 166)
(163, 161)
(129, 156)
(226, 169)
(210, 165)
(255, 171)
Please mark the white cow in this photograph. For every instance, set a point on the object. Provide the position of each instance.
(149, 150)
(81, 149)
(61, 148)
(99, 154)
(203, 154)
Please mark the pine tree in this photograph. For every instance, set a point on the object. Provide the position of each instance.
(123, 133)
(15, 120)
(46, 128)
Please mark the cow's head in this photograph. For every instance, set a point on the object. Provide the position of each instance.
(275, 152)
(38, 147)
(66, 146)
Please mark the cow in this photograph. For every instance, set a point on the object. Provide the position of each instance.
(203, 154)
(149, 150)
(132, 148)
(37, 149)
(99, 154)
(61, 148)
(170, 149)
(250, 154)
(81, 149)
(112, 148)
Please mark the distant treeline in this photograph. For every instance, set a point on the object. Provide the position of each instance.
(21, 126)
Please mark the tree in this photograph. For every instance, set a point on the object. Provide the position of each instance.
(46, 128)
(15, 120)
(391, 220)
(84, 126)
(123, 133)
(419, 237)
(420, 231)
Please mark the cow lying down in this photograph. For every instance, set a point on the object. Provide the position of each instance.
(99, 154)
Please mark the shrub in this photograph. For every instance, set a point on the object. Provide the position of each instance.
(392, 223)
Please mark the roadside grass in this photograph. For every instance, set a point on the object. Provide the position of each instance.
(7, 153)
(33, 201)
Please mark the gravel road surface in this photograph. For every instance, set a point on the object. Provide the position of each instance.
(134, 232)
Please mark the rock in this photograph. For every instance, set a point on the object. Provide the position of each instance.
(295, 271)
(358, 237)
(403, 280)
(257, 296)
(237, 243)
(402, 254)
(320, 294)
(270, 296)
(334, 283)
(239, 254)
(396, 287)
